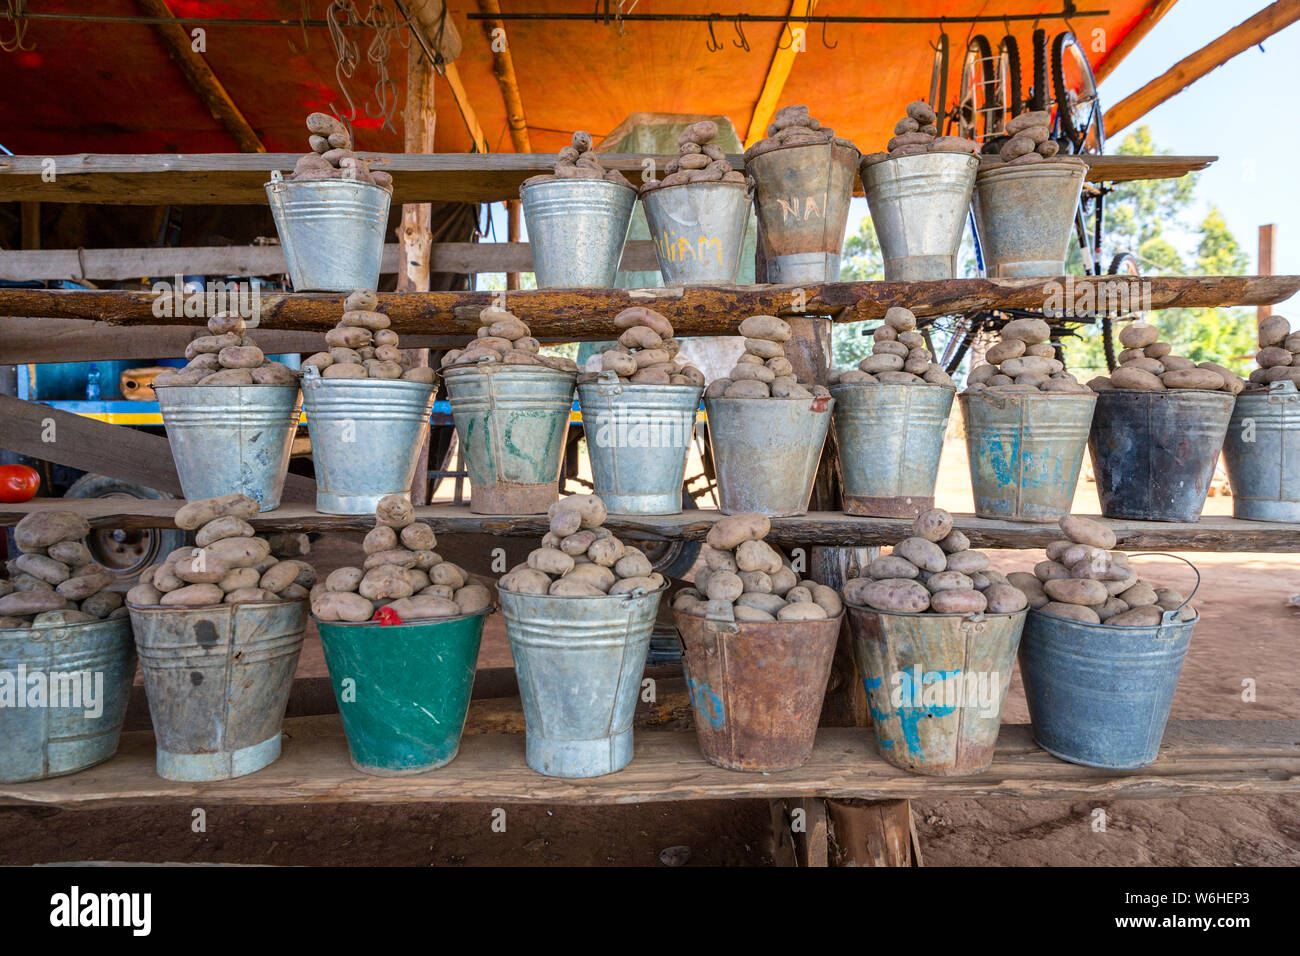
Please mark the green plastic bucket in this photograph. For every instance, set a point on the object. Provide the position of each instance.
(403, 690)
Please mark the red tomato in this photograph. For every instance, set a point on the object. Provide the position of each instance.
(18, 483)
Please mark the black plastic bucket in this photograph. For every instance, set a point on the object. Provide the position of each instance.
(1154, 453)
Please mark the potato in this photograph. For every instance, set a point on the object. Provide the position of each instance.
(238, 552)
(1138, 335)
(165, 579)
(754, 372)
(801, 592)
(898, 595)
(1075, 612)
(967, 562)
(1030, 586)
(565, 522)
(279, 576)
(783, 580)
(606, 551)
(237, 578)
(525, 581)
(767, 327)
(195, 514)
(200, 568)
(759, 581)
(473, 598)
(1088, 531)
(1075, 591)
(730, 532)
(342, 606)
(633, 564)
(724, 586)
(743, 612)
(418, 579)
(1145, 616)
(395, 511)
(1004, 599)
(802, 611)
(143, 595)
(948, 581)
(398, 556)
(1200, 378)
(344, 579)
(1139, 595)
(273, 373)
(1135, 378)
(650, 582)
(900, 319)
(82, 585)
(424, 606)
(933, 525)
(1005, 349)
(880, 362)
(32, 602)
(769, 604)
(747, 389)
(1050, 570)
(595, 574)
(590, 507)
(572, 587)
(926, 555)
(1029, 331)
(193, 595)
(346, 370)
(43, 567)
(384, 582)
(72, 553)
(448, 573)
(228, 376)
(250, 596)
(418, 536)
(757, 556)
(379, 538)
(62, 618)
(958, 601)
(892, 566)
(227, 526)
(1109, 608)
(41, 529)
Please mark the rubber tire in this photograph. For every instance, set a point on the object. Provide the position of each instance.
(1011, 48)
(984, 55)
(1108, 323)
(1038, 101)
(165, 540)
(1069, 133)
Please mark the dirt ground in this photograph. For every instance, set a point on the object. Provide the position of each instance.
(1247, 632)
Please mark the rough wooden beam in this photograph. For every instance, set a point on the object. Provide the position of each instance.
(452, 76)
(575, 315)
(200, 76)
(778, 71)
(1267, 244)
(1209, 57)
(1131, 39)
(503, 67)
(438, 30)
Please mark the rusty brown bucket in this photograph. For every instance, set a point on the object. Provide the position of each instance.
(756, 687)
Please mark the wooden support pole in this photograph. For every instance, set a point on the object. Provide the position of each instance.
(1267, 243)
(514, 212)
(30, 213)
(503, 67)
(205, 83)
(870, 833)
(1131, 39)
(1209, 57)
(778, 71)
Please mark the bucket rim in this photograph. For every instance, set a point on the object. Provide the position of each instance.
(496, 368)
(1045, 396)
(780, 149)
(320, 381)
(210, 607)
(295, 386)
(554, 179)
(1032, 170)
(848, 385)
(625, 595)
(980, 615)
(663, 189)
(1123, 628)
(1167, 391)
(418, 622)
(906, 159)
(766, 398)
(650, 387)
(837, 619)
(286, 183)
(10, 632)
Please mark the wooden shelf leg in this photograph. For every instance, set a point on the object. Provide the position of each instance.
(871, 833)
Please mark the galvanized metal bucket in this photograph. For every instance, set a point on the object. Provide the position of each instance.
(332, 231)
(638, 437)
(403, 691)
(766, 451)
(231, 439)
(579, 662)
(366, 436)
(801, 197)
(698, 230)
(890, 439)
(1025, 452)
(512, 421)
(1154, 453)
(756, 687)
(577, 228)
(70, 690)
(218, 679)
(1261, 452)
(919, 207)
(1024, 217)
(1100, 695)
(936, 684)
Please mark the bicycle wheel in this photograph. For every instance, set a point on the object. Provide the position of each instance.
(1124, 263)
(1078, 103)
(1038, 95)
(978, 108)
(1013, 101)
(939, 78)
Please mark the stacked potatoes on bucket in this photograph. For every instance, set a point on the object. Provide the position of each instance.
(331, 155)
(699, 160)
(756, 581)
(1023, 360)
(762, 370)
(226, 356)
(581, 558)
(916, 133)
(363, 346)
(792, 126)
(1149, 365)
(1028, 140)
(1279, 353)
(504, 338)
(401, 572)
(227, 564)
(578, 160)
(899, 356)
(1084, 580)
(54, 581)
(646, 352)
(935, 570)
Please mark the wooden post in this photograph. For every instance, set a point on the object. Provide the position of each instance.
(513, 211)
(870, 832)
(1267, 243)
(416, 233)
(31, 224)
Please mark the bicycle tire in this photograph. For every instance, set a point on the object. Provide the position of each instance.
(1117, 265)
(1038, 97)
(1013, 99)
(1078, 138)
(939, 78)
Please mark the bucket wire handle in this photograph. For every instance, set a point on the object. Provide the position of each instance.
(277, 176)
(1173, 616)
(1282, 391)
(311, 373)
(608, 383)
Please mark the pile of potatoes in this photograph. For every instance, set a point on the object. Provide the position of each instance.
(363, 346)
(227, 564)
(1027, 141)
(899, 356)
(226, 356)
(763, 371)
(1083, 579)
(504, 338)
(698, 160)
(935, 570)
(580, 558)
(1279, 353)
(792, 126)
(1023, 360)
(646, 352)
(1149, 365)
(746, 574)
(54, 580)
(331, 155)
(578, 161)
(916, 133)
(401, 572)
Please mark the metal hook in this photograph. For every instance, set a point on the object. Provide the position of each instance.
(303, 11)
(785, 28)
(829, 46)
(712, 44)
(742, 43)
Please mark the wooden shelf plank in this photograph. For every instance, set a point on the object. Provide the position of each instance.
(236, 178)
(575, 315)
(818, 528)
(1198, 758)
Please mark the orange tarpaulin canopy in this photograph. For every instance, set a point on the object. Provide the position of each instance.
(111, 87)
